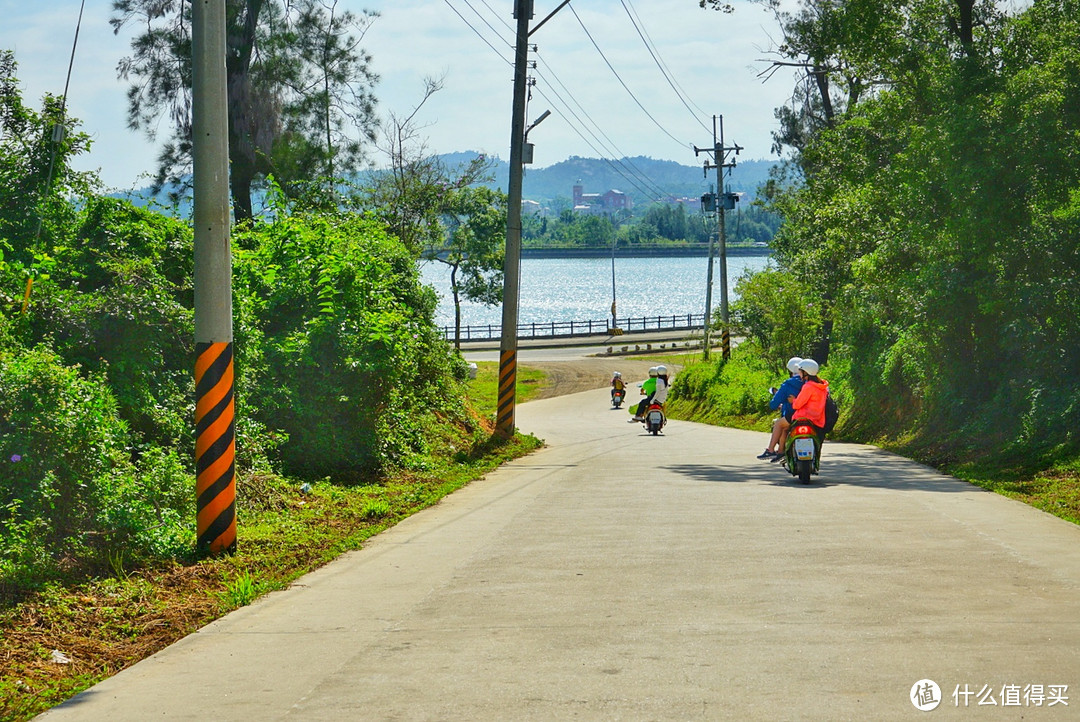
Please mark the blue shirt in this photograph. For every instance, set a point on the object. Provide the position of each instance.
(791, 387)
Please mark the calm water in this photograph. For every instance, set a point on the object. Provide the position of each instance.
(579, 289)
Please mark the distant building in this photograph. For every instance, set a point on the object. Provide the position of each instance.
(530, 207)
(691, 204)
(600, 204)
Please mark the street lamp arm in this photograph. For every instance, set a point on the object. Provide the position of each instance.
(537, 122)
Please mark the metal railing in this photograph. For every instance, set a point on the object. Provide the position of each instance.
(552, 329)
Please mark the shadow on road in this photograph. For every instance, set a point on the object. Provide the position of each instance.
(840, 465)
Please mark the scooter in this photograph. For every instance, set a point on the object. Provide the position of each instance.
(802, 453)
(655, 418)
(617, 397)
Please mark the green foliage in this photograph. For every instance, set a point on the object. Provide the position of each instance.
(936, 222)
(337, 345)
(779, 311)
(119, 303)
(658, 224)
(30, 197)
(733, 392)
(69, 490)
(299, 90)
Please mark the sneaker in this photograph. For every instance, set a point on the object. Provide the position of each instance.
(767, 454)
(776, 458)
(635, 420)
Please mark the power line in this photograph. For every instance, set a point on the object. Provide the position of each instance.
(485, 22)
(618, 152)
(623, 83)
(478, 33)
(623, 167)
(627, 175)
(612, 163)
(636, 22)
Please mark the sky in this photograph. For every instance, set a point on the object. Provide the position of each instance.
(610, 93)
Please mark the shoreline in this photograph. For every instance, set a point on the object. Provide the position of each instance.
(643, 252)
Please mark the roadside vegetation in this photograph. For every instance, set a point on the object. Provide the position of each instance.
(930, 250)
(352, 411)
(658, 225)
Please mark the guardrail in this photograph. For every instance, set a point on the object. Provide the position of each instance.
(552, 329)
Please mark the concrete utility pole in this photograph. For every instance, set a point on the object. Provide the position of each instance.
(724, 201)
(504, 415)
(506, 404)
(215, 444)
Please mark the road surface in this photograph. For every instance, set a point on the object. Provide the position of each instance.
(614, 575)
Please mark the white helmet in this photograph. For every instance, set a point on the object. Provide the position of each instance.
(793, 364)
(652, 371)
(810, 366)
(661, 370)
(617, 375)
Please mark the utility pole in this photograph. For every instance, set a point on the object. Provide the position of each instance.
(723, 201)
(215, 428)
(504, 415)
(506, 403)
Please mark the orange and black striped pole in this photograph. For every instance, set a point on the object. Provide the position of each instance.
(215, 427)
(504, 416)
(215, 447)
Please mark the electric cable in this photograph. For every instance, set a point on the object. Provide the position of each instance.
(628, 176)
(485, 22)
(623, 83)
(660, 64)
(618, 152)
(478, 33)
(624, 167)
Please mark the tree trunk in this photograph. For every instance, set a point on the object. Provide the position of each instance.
(240, 42)
(240, 189)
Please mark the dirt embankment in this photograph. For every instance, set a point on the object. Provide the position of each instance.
(585, 374)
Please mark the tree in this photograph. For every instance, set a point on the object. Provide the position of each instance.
(36, 180)
(474, 245)
(298, 85)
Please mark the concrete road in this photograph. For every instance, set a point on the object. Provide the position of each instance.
(614, 575)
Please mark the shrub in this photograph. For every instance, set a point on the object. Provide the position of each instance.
(734, 391)
(337, 345)
(779, 312)
(118, 302)
(69, 492)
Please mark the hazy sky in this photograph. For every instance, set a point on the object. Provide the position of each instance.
(712, 59)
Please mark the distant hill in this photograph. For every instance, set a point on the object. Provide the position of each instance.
(598, 175)
(545, 185)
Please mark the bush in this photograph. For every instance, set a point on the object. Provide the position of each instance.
(119, 302)
(733, 392)
(69, 492)
(778, 311)
(337, 345)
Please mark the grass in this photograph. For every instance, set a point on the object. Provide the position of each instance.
(484, 389)
(288, 528)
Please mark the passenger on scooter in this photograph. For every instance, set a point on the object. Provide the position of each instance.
(810, 403)
(617, 384)
(791, 387)
(648, 387)
(662, 385)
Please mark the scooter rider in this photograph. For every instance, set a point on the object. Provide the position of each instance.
(662, 385)
(617, 384)
(648, 387)
(791, 387)
(810, 402)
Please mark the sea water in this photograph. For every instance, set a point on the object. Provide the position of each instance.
(581, 289)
